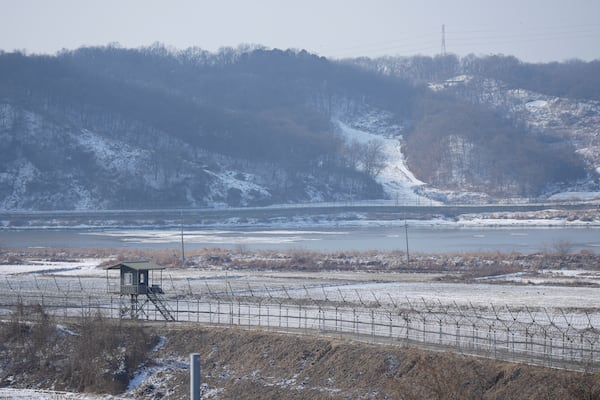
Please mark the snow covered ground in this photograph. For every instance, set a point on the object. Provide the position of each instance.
(79, 267)
(34, 394)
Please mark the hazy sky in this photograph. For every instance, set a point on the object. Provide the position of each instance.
(533, 30)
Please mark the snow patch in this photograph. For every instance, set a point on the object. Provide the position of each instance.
(114, 155)
(82, 267)
(229, 180)
(575, 196)
(536, 104)
(457, 80)
(21, 174)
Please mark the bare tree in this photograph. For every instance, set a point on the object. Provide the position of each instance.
(373, 158)
(562, 247)
(352, 154)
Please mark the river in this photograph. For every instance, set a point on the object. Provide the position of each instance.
(362, 238)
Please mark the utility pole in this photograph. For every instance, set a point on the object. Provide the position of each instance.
(443, 40)
(406, 234)
(182, 248)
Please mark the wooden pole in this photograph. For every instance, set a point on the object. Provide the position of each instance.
(182, 247)
(406, 234)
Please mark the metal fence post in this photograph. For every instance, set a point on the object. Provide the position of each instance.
(194, 376)
(373, 326)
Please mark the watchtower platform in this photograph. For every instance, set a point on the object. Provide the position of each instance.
(135, 281)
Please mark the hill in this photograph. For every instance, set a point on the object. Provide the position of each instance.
(108, 128)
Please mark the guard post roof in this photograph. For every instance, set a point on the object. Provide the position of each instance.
(136, 265)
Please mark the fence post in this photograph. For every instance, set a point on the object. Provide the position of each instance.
(581, 346)
(551, 351)
(320, 320)
(305, 321)
(268, 324)
(373, 325)
(545, 350)
(513, 344)
(390, 317)
(188, 307)
(495, 343)
(287, 317)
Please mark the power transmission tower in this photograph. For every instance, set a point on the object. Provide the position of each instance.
(443, 40)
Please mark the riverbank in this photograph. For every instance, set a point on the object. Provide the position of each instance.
(313, 215)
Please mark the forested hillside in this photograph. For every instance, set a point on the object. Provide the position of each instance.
(108, 127)
(501, 126)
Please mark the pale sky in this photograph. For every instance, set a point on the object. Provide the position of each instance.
(532, 30)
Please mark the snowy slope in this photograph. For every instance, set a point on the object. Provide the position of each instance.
(398, 181)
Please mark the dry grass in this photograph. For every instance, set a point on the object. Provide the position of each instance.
(259, 365)
(94, 354)
(470, 265)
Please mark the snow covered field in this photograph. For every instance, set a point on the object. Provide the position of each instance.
(569, 289)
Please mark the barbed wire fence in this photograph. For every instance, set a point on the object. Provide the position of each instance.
(551, 337)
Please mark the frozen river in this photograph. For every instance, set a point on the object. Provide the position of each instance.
(327, 239)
